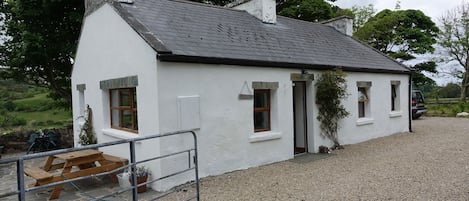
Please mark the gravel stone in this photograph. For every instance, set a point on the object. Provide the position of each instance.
(432, 163)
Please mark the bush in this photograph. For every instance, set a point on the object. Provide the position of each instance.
(9, 105)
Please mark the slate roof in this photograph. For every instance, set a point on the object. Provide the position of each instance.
(192, 32)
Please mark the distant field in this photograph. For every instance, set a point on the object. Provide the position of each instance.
(442, 100)
(446, 108)
(37, 112)
(55, 117)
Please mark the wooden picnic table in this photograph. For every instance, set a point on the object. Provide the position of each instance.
(85, 163)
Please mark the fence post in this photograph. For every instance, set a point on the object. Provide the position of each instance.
(196, 165)
(20, 179)
(132, 170)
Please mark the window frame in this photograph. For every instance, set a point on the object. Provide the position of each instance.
(132, 108)
(394, 97)
(267, 109)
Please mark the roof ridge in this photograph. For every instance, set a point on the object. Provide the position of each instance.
(204, 4)
(294, 19)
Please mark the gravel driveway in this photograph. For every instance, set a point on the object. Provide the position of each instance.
(430, 164)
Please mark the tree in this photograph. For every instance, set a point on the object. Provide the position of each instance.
(451, 90)
(361, 15)
(454, 38)
(308, 10)
(402, 34)
(40, 40)
(419, 79)
(331, 89)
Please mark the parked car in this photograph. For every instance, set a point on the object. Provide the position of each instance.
(418, 104)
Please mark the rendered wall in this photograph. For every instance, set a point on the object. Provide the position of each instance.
(382, 121)
(226, 136)
(109, 48)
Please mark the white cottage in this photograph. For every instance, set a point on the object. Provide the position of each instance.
(242, 77)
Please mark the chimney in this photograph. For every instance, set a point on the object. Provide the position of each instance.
(261, 9)
(343, 24)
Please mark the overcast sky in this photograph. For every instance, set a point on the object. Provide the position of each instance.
(432, 8)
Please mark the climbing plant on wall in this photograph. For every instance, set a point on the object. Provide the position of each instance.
(331, 89)
(87, 135)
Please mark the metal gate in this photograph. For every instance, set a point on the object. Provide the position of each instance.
(22, 189)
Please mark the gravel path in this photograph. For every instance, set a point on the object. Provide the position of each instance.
(430, 164)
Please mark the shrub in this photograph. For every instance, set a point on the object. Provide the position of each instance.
(9, 105)
(331, 88)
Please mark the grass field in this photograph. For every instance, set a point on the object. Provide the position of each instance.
(446, 109)
(36, 112)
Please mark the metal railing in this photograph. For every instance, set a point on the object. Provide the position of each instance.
(21, 188)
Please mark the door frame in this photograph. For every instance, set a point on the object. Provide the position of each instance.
(305, 116)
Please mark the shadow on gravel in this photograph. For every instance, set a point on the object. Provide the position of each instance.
(310, 157)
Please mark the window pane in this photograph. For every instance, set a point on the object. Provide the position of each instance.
(361, 109)
(127, 119)
(123, 108)
(362, 96)
(261, 99)
(114, 98)
(261, 120)
(135, 98)
(115, 118)
(125, 97)
(136, 121)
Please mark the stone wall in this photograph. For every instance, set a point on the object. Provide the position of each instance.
(18, 140)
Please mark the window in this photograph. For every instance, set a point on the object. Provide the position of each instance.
(395, 103)
(362, 101)
(81, 98)
(261, 110)
(123, 102)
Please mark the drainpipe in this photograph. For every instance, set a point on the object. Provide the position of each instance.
(410, 102)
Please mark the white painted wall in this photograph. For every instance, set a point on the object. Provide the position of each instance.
(109, 48)
(380, 123)
(226, 133)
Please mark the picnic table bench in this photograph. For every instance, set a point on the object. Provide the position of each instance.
(84, 160)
